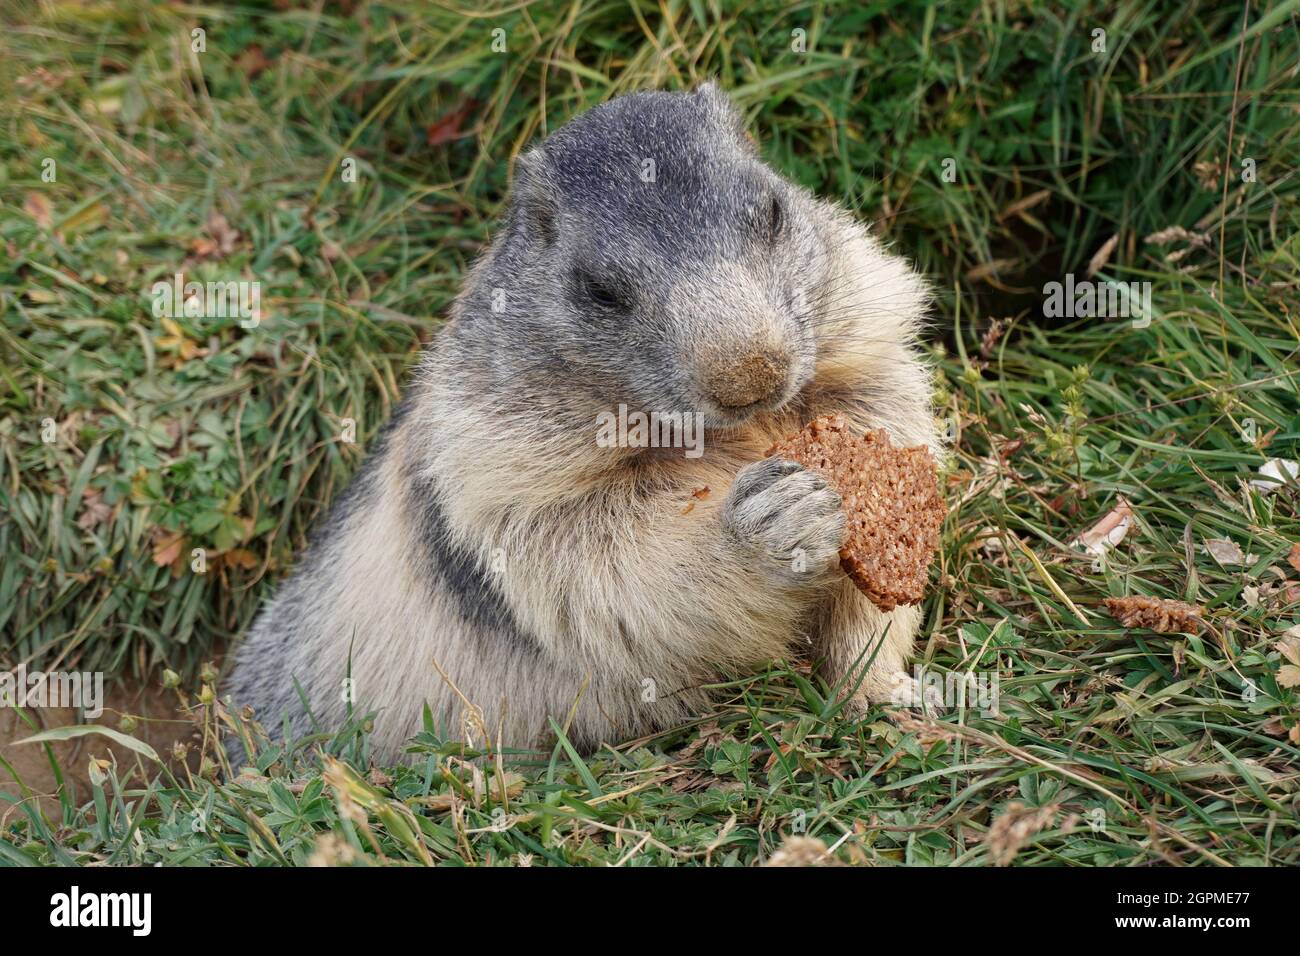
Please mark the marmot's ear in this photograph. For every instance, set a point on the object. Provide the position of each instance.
(533, 212)
(722, 109)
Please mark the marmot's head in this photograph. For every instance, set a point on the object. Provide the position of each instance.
(650, 257)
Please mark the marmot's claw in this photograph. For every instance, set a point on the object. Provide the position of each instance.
(788, 514)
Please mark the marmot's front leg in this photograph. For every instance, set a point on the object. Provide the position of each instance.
(793, 517)
(865, 650)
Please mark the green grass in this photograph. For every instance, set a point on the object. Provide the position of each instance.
(1188, 744)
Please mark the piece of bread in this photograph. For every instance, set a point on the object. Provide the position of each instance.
(891, 497)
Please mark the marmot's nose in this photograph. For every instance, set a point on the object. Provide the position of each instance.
(747, 376)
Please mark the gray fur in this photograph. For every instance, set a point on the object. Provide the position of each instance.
(493, 561)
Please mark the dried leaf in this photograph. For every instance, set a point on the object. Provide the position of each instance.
(239, 558)
(252, 61)
(167, 549)
(94, 511)
(220, 241)
(1274, 727)
(989, 540)
(1289, 646)
(1107, 532)
(175, 338)
(448, 126)
(1275, 473)
(1224, 550)
(37, 205)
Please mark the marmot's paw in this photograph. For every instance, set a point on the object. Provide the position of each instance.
(782, 512)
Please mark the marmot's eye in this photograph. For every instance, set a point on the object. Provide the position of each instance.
(600, 293)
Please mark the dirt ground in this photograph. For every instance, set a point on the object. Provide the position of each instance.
(161, 724)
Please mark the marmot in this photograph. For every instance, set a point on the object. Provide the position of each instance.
(497, 560)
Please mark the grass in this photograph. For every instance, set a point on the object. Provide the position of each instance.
(225, 164)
